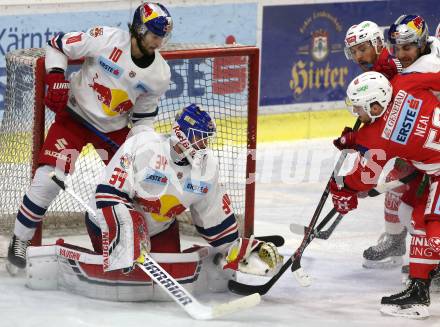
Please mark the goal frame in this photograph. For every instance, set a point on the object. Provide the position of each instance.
(253, 53)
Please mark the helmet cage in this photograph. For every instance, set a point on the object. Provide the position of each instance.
(194, 132)
(361, 33)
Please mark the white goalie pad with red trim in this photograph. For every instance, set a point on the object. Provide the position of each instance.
(80, 271)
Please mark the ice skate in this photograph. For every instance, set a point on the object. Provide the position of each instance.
(412, 303)
(387, 253)
(16, 256)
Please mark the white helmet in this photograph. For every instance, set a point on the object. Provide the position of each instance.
(366, 89)
(363, 32)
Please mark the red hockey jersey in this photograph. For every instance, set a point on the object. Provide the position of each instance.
(409, 129)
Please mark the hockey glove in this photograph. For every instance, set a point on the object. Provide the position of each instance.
(344, 200)
(253, 257)
(347, 140)
(57, 91)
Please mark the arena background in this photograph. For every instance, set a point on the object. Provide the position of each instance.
(304, 72)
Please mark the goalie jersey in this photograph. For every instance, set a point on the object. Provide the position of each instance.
(143, 175)
(110, 88)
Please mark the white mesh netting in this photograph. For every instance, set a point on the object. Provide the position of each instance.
(219, 84)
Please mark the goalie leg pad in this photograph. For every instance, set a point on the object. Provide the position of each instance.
(124, 236)
(80, 271)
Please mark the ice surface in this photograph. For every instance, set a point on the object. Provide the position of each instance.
(290, 181)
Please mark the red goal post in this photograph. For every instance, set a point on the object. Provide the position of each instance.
(223, 79)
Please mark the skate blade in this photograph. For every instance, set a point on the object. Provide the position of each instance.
(14, 271)
(387, 263)
(413, 312)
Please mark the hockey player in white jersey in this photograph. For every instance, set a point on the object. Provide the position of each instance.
(120, 82)
(153, 178)
(410, 41)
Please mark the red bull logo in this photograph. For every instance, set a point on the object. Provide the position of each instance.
(162, 209)
(418, 22)
(114, 101)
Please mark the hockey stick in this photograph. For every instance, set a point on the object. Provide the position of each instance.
(322, 235)
(93, 129)
(245, 289)
(379, 189)
(176, 291)
(277, 240)
(295, 260)
(302, 278)
(385, 187)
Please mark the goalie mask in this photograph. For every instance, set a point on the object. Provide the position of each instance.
(408, 29)
(363, 32)
(367, 89)
(193, 132)
(154, 18)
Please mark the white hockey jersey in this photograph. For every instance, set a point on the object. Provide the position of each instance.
(143, 175)
(109, 86)
(429, 63)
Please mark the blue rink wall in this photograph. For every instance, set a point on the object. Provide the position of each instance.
(303, 57)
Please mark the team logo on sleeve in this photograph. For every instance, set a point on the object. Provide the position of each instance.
(126, 160)
(96, 31)
(196, 187)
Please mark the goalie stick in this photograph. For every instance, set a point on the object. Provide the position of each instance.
(295, 260)
(176, 291)
(379, 189)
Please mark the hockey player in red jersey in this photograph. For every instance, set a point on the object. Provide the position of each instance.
(364, 44)
(120, 82)
(403, 121)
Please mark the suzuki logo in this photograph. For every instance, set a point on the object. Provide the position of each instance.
(61, 144)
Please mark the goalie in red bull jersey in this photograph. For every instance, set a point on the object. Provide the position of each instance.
(153, 178)
(120, 83)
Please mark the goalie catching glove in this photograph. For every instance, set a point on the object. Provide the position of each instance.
(254, 257)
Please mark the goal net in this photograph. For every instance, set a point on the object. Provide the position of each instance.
(222, 79)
